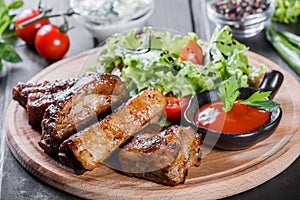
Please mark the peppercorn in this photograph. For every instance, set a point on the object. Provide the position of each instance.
(240, 8)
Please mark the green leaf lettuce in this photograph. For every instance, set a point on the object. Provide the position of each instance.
(151, 59)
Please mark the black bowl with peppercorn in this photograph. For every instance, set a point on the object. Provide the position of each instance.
(246, 18)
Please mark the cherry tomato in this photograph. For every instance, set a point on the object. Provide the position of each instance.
(175, 107)
(51, 43)
(192, 52)
(28, 32)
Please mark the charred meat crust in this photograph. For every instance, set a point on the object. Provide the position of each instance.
(67, 158)
(36, 98)
(92, 102)
(23, 90)
(164, 157)
(37, 107)
(37, 103)
(94, 144)
(77, 104)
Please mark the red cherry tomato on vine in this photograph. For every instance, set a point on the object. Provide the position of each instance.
(51, 43)
(192, 52)
(28, 32)
(175, 107)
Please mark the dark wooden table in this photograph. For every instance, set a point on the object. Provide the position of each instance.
(181, 15)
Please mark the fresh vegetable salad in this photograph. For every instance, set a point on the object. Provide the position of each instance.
(175, 64)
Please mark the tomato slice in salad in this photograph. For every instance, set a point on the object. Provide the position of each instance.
(175, 108)
(192, 52)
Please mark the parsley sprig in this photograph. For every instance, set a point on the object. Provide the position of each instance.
(228, 93)
(7, 32)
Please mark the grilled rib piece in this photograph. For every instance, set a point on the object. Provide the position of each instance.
(37, 103)
(22, 91)
(89, 148)
(164, 157)
(36, 106)
(93, 101)
(36, 98)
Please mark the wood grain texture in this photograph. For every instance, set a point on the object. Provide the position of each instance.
(202, 25)
(172, 14)
(221, 173)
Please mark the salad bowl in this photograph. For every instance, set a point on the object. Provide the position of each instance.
(271, 82)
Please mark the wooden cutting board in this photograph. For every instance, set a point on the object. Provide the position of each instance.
(221, 173)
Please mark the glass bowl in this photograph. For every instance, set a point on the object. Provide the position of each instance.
(102, 26)
(242, 27)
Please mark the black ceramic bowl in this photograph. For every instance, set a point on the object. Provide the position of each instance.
(271, 82)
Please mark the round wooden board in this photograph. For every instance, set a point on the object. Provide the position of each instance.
(221, 173)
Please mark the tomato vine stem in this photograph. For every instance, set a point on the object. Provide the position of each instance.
(45, 15)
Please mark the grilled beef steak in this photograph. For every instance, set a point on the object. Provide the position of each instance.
(89, 148)
(163, 157)
(92, 102)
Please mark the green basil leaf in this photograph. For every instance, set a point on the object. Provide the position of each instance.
(3, 10)
(4, 23)
(8, 53)
(0, 65)
(12, 16)
(9, 36)
(15, 4)
(2, 6)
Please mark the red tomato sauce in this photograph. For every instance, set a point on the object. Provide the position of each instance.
(240, 119)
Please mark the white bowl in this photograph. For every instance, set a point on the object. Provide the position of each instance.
(103, 31)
